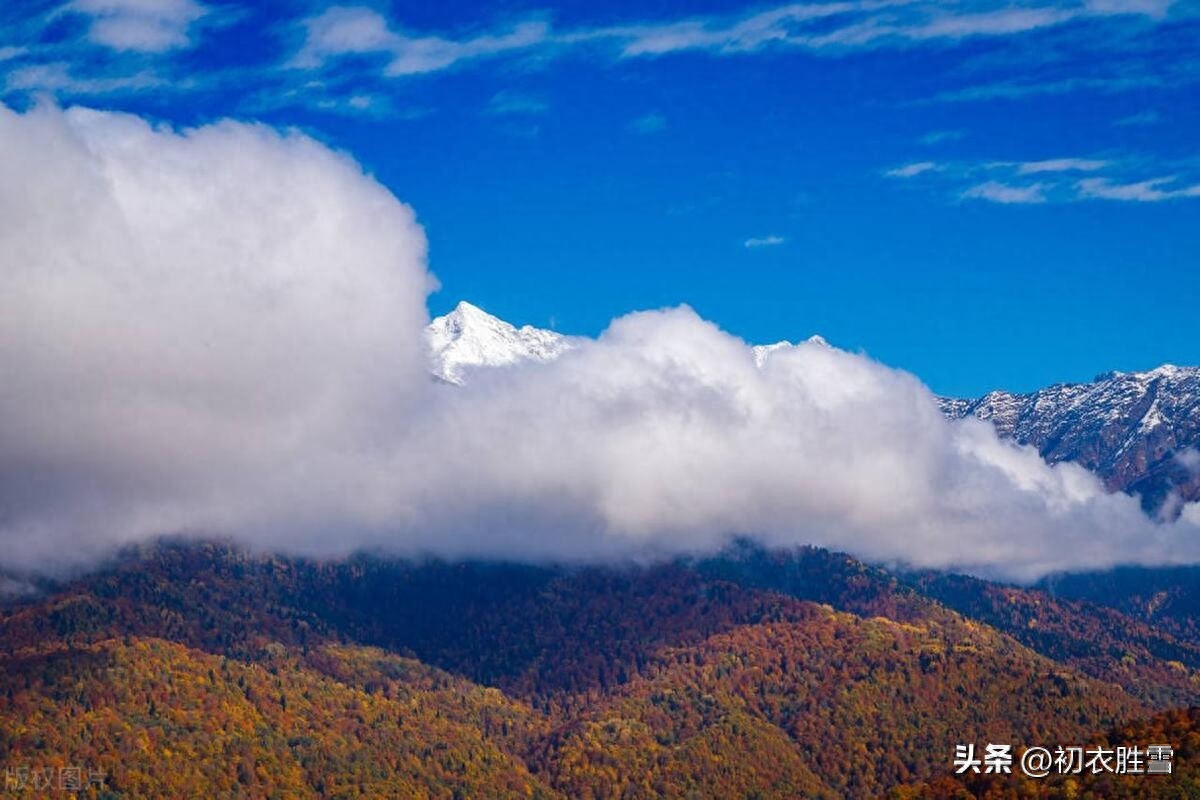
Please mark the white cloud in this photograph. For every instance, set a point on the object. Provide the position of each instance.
(1009, 181)
(58, 78)
(1148, 191)
(150, 26)
(827, 26)
(854, 25)
(210, 311)
(361, 102)
(219, 332)
(997, 192)
(988, 23)
(356, 105)
(664, 436)
(1156, 9)
(1061, 165)
(739, 35)
(415, 56)
(343, 31)
(913, 170)
(764, 241)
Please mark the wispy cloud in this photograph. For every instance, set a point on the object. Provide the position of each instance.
(862, 24)
(1150, 117)
(1054, 180)
(764, 241)
(1061, 165)
(58, 77)
(148, 26)
(824, 26)
(357, 105)
(508, 102)
(1122, 65)
(1001, 22)
(1148, 191)
(649, 123)
(912, 170)
(785, 25)
(360, 47)
(92, 49)
(996, 192)
(344, 31)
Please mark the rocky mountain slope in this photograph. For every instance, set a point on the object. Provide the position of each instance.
(1139, 431)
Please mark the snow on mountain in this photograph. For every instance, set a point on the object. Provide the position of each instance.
(469, 337)
(762, 352)
(1128, 427)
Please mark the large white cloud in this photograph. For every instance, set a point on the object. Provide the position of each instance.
(664, 436)
(219, 332)
(198, 330)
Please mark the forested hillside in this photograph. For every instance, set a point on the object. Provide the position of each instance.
(200, 670)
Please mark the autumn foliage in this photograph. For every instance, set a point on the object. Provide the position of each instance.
(201, 671)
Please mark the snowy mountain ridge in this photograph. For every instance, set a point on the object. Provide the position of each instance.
(1134, 429)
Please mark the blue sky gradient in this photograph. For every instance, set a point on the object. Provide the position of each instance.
(989, 195)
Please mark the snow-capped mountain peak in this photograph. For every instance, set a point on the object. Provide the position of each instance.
(469, 337)
(763, 352)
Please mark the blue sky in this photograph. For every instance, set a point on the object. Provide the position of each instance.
(989, 195)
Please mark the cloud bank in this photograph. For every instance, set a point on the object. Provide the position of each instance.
(218, 332)
(191, 320)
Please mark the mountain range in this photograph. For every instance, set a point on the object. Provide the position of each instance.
(196, 669)
(1138, 431)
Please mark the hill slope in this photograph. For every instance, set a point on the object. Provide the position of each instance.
(706, 678)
